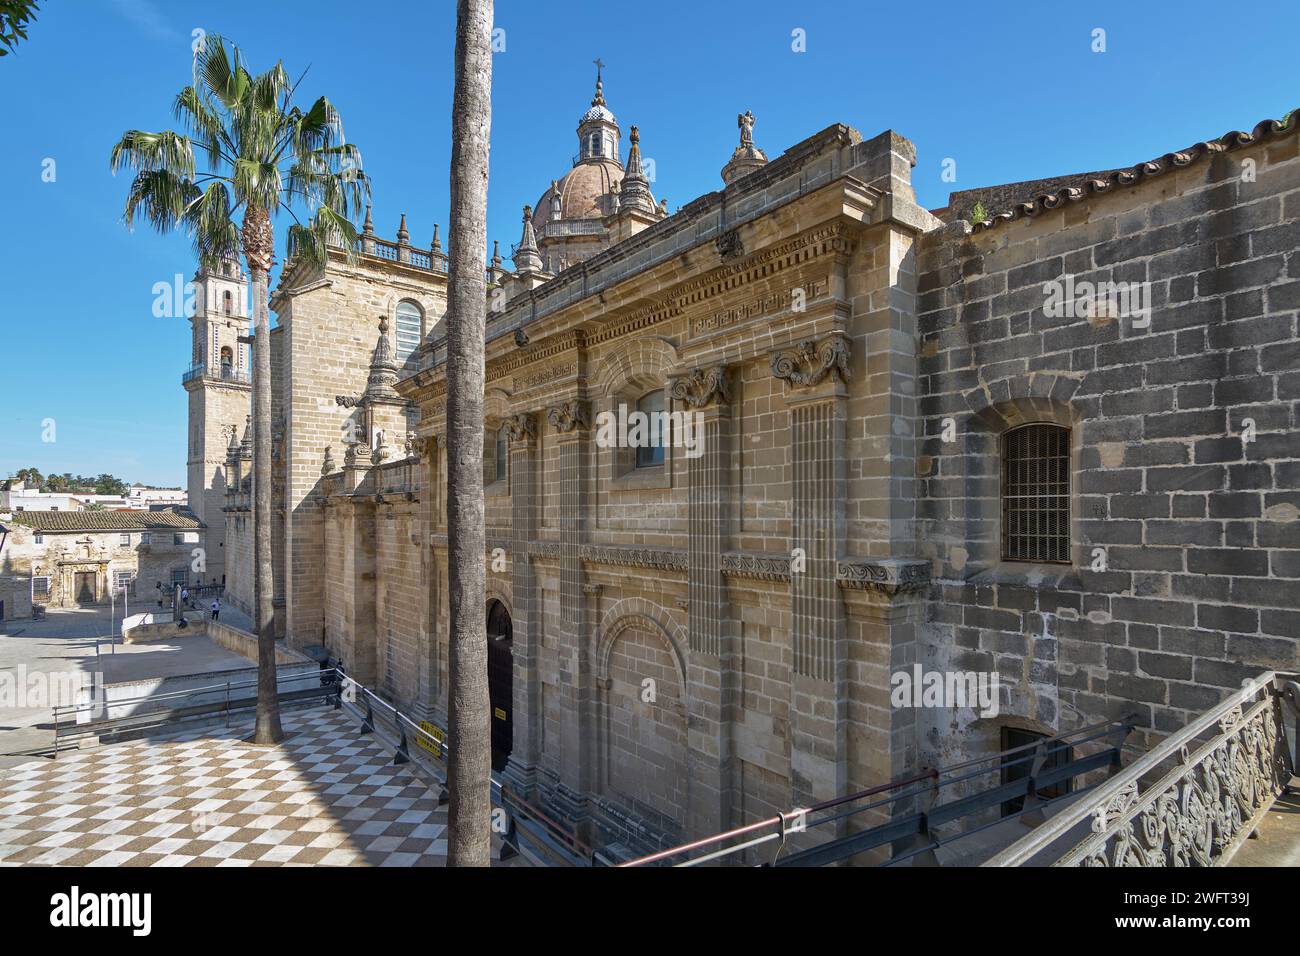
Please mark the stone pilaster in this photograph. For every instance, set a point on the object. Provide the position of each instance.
(359, 651)
(572, 423)
(428, 689)
(525, 754)
(816, 375)
(705, 398)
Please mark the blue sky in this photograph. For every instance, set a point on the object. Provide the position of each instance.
(1010, 91)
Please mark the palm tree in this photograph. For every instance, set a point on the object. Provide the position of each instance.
(263, 155)
(469, 767)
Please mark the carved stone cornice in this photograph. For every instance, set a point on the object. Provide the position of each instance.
(567, 416)
(833, 239)
(660, 559)
(809, 363)
(702, 386)
(347, 401)
(886, 575)
(763, 567)
(544, 549)
(521, 428)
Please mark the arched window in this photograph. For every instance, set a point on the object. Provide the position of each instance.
(227, 360)
(502, 453)
(1036, 494)
(410, 321)
(652, 452)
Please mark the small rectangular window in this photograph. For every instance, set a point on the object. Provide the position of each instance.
(40, 589)
(38, 538)
(144, 537)
(1036, 494)
(124, 540)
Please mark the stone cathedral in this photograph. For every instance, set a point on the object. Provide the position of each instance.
(905, 457)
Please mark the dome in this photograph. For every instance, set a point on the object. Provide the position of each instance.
(584, 192)
(598, 114)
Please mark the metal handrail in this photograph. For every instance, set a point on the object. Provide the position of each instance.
(780, 825)
(224, 373)
(504, 795)
(1130, 778)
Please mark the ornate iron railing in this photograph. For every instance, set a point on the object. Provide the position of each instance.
(221, 373)
(1191, 800)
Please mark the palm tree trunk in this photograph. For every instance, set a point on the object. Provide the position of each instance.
(469, 766)
(259, 244)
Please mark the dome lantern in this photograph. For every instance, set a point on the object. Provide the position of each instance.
(598, 133)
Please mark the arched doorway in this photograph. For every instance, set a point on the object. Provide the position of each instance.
(501, 667)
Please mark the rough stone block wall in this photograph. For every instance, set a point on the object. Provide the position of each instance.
(239, 560)
(1185, 465)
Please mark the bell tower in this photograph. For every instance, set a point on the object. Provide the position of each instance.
(219, 383)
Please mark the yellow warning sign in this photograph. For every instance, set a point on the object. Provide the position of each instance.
(499, 713)
(431, 738)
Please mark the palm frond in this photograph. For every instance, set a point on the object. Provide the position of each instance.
(210, 220)
(224, 80)
(144, 151)
(311, 243)
(160, 197)
(203, 123)
(262, 153)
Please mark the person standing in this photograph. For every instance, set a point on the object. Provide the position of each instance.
(216, 608)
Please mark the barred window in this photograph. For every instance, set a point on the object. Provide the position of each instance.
(1036, 494)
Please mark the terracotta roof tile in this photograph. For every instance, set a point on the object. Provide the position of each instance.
(1128, 176)
(106, 520)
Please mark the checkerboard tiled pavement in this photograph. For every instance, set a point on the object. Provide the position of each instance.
(324, 796)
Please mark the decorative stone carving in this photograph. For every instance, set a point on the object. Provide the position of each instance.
(661, 559)
(329, 467)
(357, 453)
(887, 576)
(764, 567)
(347, 401)
(809, 363)
(729, 245)
(567, 416)
(415, 445)
(703, 386)
(521, 428)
